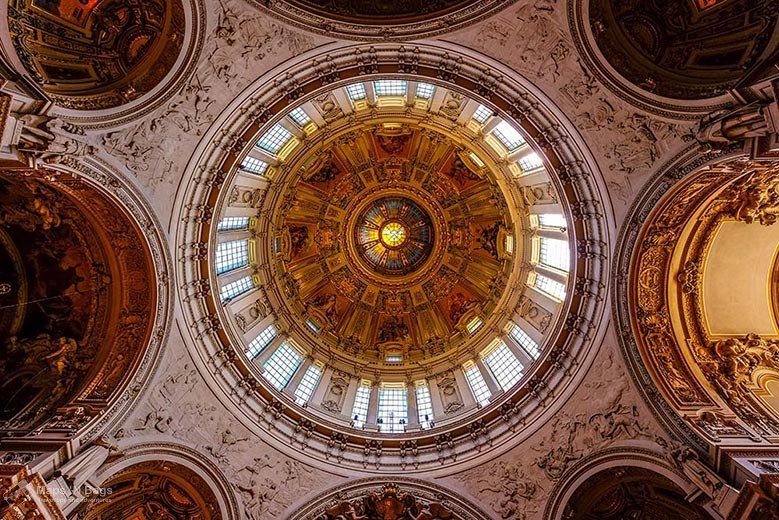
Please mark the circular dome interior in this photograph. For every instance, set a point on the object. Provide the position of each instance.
(391, 255)
(77, 295)
(97, 54)
(683, 50)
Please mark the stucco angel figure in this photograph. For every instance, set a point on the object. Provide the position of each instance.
(49, 139)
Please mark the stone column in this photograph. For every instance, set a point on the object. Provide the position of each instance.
(373, 405)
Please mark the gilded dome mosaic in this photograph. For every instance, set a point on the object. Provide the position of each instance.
(382, 247)
(381, 233)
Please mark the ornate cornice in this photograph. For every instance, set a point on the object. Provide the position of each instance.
(357, 29)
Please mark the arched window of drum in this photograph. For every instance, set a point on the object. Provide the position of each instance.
(524, 341)
(552, 221)
(236, 288)
(356, 91)
(476, 383)
(233, 224)
(551, 287)
(308, 383)
(393, 407)
(300, 117)
(390, 87)
(361, 400)
(231, 255)
(503, 364)
(261, 342)
(281, 365)
(424, 405)
(425, 90)
(482, 114)
(274, 139)
(555, 253)
(508, 136)
(254, 165)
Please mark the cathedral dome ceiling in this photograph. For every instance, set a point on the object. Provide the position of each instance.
(683, 50)
(389, 247)
(389, 256)
(77, 297)
(97, 54)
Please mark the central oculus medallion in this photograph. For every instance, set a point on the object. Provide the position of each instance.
(394, 236)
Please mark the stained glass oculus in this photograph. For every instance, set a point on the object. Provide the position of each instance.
(394, 235)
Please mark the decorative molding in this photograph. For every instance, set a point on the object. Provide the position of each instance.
(384, 29)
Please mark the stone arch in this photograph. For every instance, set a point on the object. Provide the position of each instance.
(703, 380)
(620, 481)
(159, 476)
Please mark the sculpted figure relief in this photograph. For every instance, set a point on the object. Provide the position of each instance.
(513, 489)
(728, 126)
(50, 139)
(756, 197)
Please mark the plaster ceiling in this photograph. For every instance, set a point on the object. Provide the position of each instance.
(737, 280)
(683, 50)
(100, 53)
